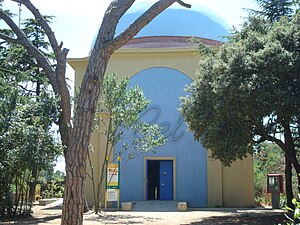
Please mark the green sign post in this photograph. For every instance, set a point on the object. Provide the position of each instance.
(112, 190)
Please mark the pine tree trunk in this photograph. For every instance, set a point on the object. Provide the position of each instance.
(73, 207)
(76, 154)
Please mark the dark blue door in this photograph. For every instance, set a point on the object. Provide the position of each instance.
(166, 179)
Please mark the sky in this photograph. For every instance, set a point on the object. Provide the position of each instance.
(76, 24)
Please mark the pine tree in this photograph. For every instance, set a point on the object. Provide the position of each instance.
(275, 9)
(28, 110)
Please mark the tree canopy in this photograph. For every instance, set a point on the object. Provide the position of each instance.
(275, 9)
(249, 91)
(124, 105)
(27, 111)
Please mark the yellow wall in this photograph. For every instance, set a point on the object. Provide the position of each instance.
(97, 157)
(231, 186)
(227, 186)
(214, 183)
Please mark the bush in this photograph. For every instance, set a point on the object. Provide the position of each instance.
(295, 218)
(53, 189)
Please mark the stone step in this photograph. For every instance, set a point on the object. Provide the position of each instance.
(155, 206)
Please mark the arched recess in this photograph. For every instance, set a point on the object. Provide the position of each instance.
(164, 86)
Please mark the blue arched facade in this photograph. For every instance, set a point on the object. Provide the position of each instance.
(164, 86)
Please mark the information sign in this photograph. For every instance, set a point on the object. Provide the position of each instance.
(112, 195)
(113, 176)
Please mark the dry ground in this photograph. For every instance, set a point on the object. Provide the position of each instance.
(48, 215)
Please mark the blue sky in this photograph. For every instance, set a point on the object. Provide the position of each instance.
(76, 23)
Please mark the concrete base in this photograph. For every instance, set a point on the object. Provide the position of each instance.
(47, 201)
(127, 206)
(182, 206)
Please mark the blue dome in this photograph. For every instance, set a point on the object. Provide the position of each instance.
(177, 22)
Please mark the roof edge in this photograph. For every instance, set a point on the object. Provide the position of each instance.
(169, 42)
(159, 44)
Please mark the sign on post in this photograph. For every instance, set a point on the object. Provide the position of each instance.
(113, 176)
(112, 193)
(275, 186)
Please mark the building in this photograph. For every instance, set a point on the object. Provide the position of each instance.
(161, 59)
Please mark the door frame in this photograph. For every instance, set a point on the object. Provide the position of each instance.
(159, 159)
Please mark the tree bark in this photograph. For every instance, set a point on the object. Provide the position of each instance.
(288, 183)
(291, 159)
(33, 184)
(76, 155)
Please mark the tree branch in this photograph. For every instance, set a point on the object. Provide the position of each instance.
(25, 89)
(259, 129)
(9, 39)
(184, 4)
(112, 15)
(275, 140)
(50, 34)
(260, 140)
(38, 55)
(60, 54)
(57, 76)
(141, 22)
(60, 70)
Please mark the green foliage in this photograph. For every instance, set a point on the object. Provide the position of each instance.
(54, 188)
(123, 105)
(26, 145)
(268, 158)
(275, 9)
(248, 92)
(27, 112)
(295, 218)
(30, 78)
(58, 176)
(119, 109)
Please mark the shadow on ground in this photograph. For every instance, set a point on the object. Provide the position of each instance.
(263, 219)
(233, 217)
(29, 220)
(122, 219)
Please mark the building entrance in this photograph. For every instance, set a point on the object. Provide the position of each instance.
(159, 180)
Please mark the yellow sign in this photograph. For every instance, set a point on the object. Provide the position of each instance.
(113, 175)
(112, 182)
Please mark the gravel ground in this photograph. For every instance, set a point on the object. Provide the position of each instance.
(221, 216)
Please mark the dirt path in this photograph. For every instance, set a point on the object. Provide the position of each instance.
(48, 215)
